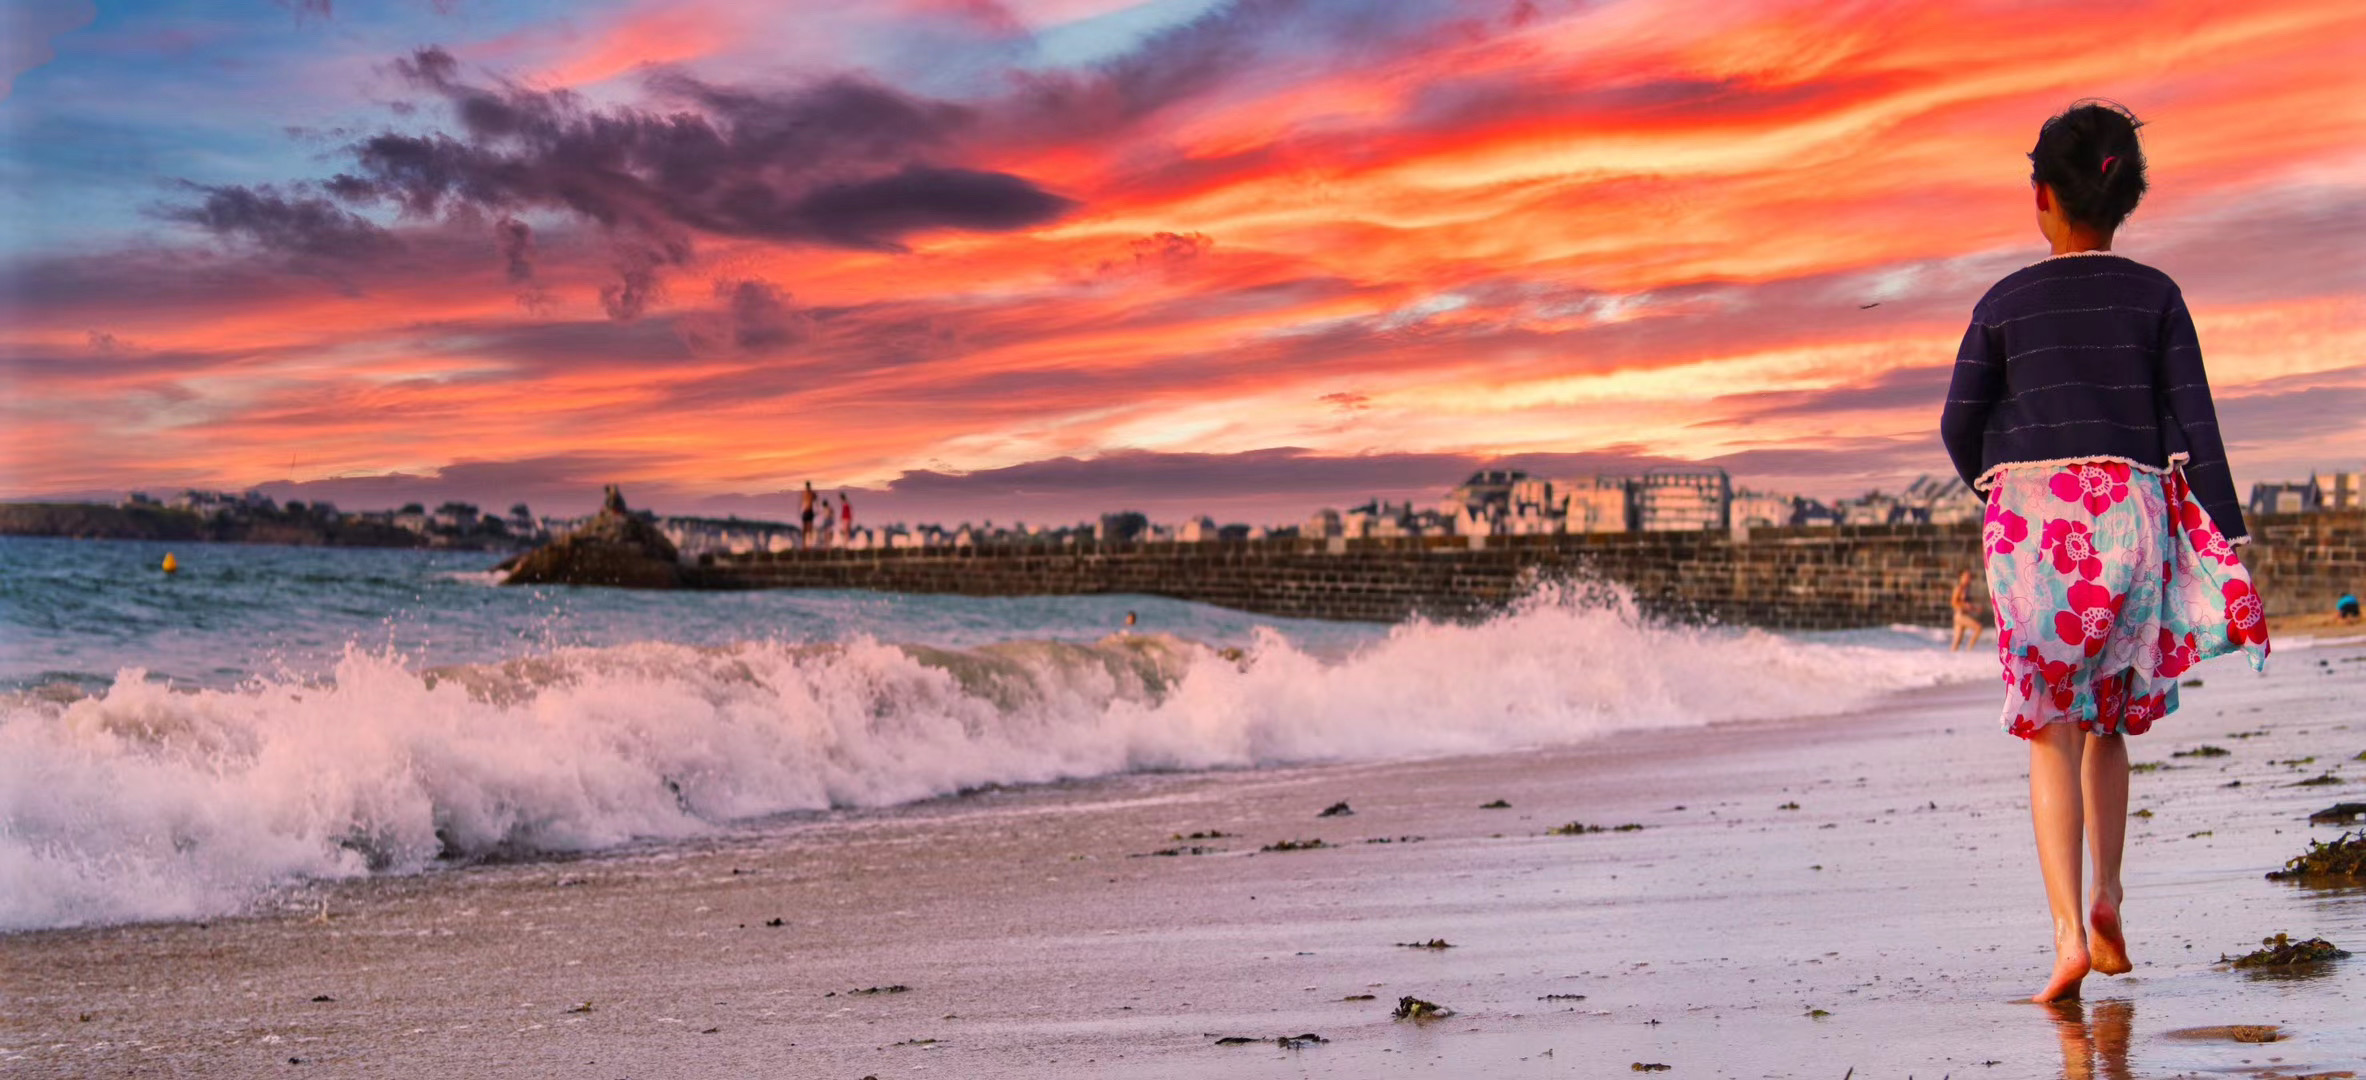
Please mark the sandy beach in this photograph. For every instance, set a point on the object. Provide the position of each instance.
(1804, 898)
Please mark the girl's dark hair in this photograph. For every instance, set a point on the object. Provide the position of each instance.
(2090, 157)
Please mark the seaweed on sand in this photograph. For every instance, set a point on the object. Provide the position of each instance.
(1295, 845)
(1579, 828)
(1286, 1042)
(2342, 857)
(2281, 951)
(1413, 1008)
(2204, 750)
(1433, 943)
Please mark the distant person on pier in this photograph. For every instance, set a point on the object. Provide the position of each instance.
(1967, 618)
(2079, 406)
(845, 518)
(805, 515)
(826, 522)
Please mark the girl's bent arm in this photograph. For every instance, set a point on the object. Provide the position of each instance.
(1971, 395)
(2189, 422)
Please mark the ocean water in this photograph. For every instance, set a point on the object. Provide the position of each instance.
(189, 746)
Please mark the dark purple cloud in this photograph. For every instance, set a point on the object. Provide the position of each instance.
(300, 225)
(841, 163)
(760, 315)
(2328, 405)
(516, 241)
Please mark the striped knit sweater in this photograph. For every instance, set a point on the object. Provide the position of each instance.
(2086, 359)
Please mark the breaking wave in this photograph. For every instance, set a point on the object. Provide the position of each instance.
(137, 801)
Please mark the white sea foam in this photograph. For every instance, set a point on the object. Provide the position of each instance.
(142, 802)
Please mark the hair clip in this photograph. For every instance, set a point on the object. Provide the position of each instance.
(2107, 163)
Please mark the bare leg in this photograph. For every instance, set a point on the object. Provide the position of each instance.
(2056, 811)
(2104, 777)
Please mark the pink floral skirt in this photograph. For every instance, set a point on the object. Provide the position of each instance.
(2109, 582)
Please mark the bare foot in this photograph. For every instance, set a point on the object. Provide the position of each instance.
(2111, 948)
(2070, 966)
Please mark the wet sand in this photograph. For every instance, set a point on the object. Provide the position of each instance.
(1887, 925)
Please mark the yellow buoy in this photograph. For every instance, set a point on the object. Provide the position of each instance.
(171, 564)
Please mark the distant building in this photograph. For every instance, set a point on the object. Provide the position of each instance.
(1942, 501)
(1759, 509)
(211, 504)
(2344, 491)
(1124, 527)
(1198, 530)
(1323, 525)
(1810, 513)
(1682, 500)
(1872, 508)
(1486, 490)
(1595, 504)
(2284, 497)
(1381, 519)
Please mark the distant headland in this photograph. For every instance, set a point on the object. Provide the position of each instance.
(257, 519)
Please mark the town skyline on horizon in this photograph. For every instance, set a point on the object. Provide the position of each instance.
(1039, 259)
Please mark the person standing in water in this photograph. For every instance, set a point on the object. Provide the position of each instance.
(805, 516)
(2080, 408)
(1967, 617)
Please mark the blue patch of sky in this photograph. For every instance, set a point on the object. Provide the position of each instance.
(157, 92)
(1113, 34)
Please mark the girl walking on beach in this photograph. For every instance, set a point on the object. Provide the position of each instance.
(2080, 409)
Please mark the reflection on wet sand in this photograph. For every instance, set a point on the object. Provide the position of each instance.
(2094, 1038)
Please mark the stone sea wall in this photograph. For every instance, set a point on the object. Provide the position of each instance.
(1777, 578)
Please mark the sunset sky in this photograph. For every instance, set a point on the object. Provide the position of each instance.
(1032, 259)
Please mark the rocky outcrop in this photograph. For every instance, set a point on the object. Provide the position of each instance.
(617, 548)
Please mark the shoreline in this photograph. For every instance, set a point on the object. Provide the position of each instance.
(1032, 943)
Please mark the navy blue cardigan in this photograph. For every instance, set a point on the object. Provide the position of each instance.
(2082, 359)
